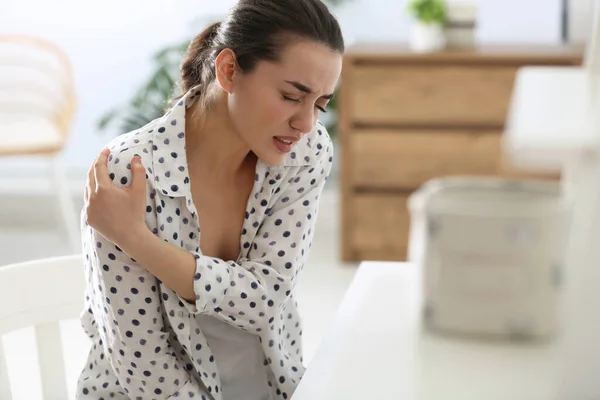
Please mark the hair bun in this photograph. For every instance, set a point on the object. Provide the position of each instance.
(204, 39)
(192, 66)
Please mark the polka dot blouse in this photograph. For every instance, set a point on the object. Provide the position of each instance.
(147, 342)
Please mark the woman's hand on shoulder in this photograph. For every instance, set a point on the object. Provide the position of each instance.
(116, 213)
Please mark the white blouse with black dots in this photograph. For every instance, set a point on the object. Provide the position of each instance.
(148, 343)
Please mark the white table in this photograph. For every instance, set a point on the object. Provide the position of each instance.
(376, 349)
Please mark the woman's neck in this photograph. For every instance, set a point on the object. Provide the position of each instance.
(213, 146)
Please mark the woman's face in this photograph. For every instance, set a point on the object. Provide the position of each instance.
(274, 105)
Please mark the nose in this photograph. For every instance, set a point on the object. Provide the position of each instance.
(304, 120)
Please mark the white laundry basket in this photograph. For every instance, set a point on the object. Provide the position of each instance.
(491, 251)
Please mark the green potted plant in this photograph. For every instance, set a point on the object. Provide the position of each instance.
(150, 100)
(430, 17)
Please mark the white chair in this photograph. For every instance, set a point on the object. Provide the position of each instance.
(39, 294)
(37, 104)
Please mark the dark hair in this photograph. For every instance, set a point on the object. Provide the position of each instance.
(257, 30)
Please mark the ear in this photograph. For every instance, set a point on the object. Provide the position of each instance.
(226, 67)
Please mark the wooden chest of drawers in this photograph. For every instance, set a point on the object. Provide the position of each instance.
(405, 118)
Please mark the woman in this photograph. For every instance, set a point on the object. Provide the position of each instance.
(196, 226)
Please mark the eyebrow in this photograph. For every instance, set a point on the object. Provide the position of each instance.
(306, 89)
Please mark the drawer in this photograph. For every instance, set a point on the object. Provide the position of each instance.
(405, 159)
(422, 94)
(380, 226)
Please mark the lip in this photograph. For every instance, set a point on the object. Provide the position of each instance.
(285, 147)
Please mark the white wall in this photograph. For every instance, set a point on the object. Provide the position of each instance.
(110, 42)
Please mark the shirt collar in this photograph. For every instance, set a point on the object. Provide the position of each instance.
(169, 161)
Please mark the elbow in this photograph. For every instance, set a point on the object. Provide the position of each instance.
(268, 307)
(258, 321)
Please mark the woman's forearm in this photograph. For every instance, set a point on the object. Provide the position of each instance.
(174, 266)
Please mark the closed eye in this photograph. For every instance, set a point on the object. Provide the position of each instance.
(291, 99)
(322, 109)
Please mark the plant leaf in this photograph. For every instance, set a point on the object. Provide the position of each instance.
(428, 11)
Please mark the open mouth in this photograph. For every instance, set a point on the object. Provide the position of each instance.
(284, 145)
(284, 140)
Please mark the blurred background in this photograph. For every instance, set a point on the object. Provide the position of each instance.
(112, 48)
(424, 95)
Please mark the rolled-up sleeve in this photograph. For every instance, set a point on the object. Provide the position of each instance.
(125, 303)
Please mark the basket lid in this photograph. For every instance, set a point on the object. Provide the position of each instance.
(488, 196)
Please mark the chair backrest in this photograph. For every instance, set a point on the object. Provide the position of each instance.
(36, 80)
(39, 294)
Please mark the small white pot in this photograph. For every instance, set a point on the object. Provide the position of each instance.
(427, 37)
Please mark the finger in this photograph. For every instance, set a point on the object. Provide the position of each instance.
(101, 174)
(138, 174)
(86, 195)
(91, 181)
